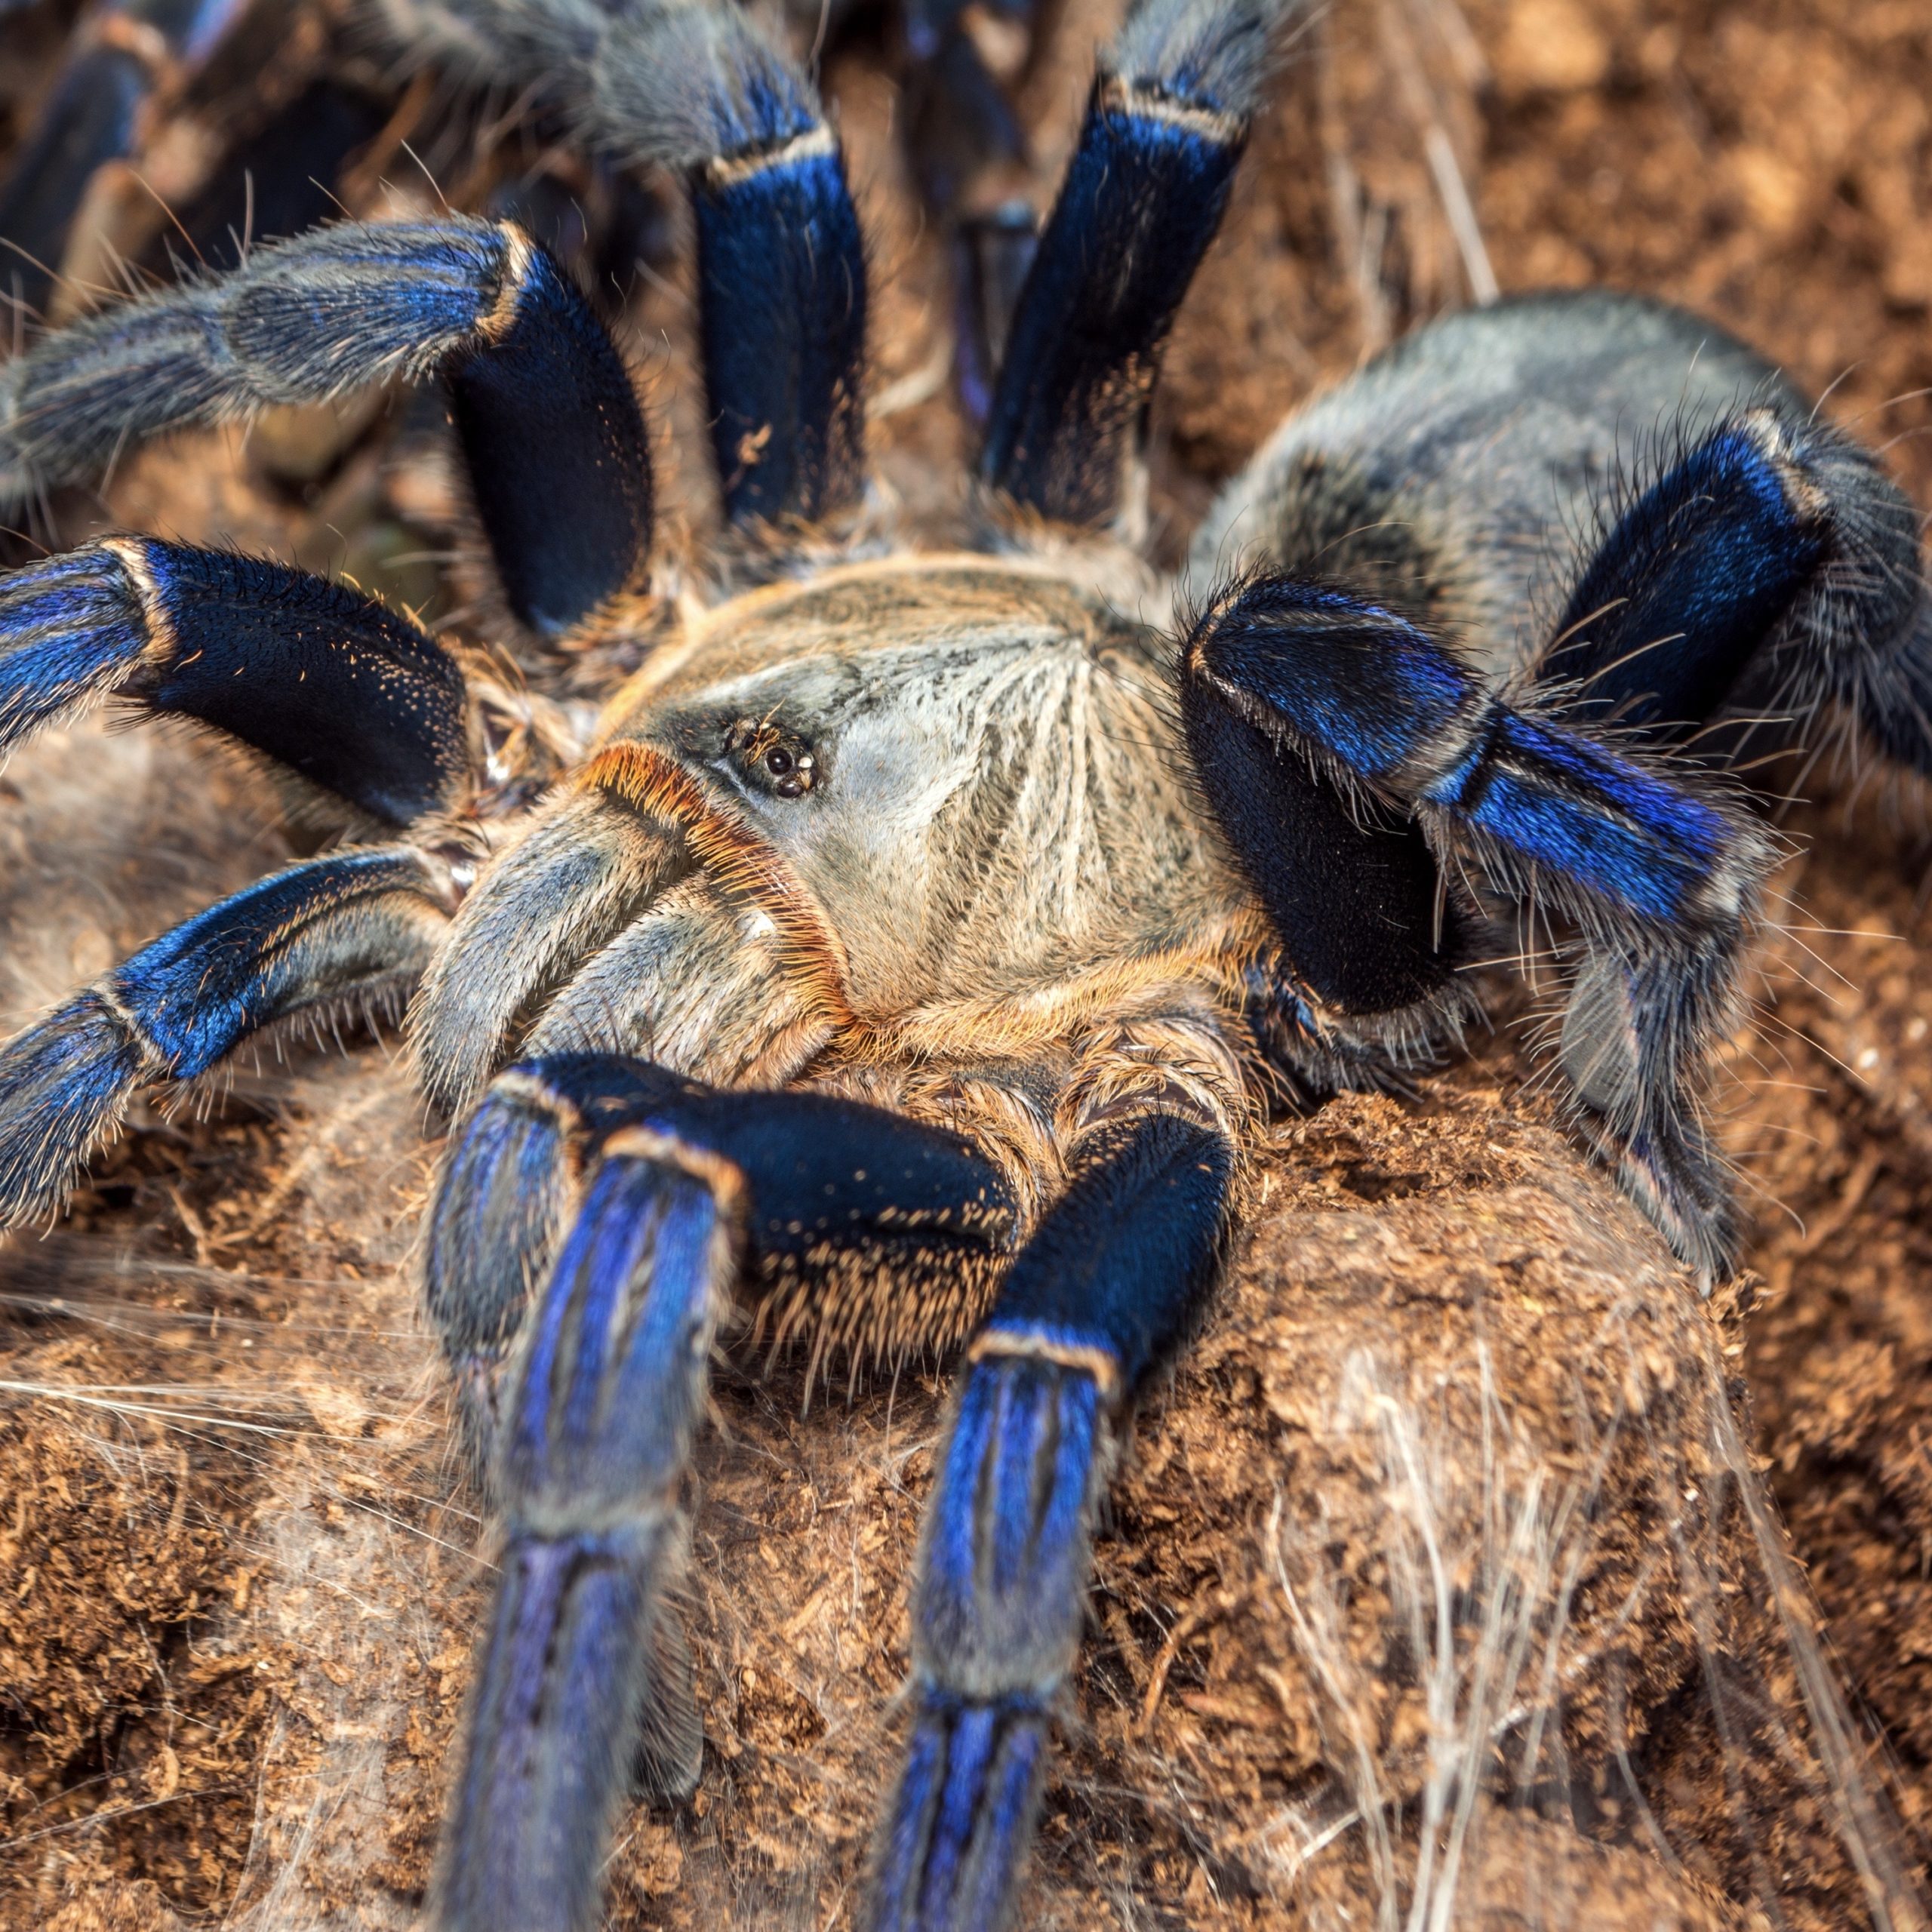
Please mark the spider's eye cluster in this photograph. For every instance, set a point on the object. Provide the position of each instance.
(776, 761)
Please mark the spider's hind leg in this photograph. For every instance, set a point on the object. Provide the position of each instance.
(1099, 1296)
(1770, 570)
(1660, 877)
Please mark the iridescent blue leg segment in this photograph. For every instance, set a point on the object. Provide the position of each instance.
(1103, 1292)
(606, 1393)
(695, 1196)
(700, 90)
(1660, 880)
(93, 116)
(355, 928)
(549, 425)
(1770, 571)
(1689, 582)
(356, 699)
(1142, 197)
(781, 319)
(831, 1187)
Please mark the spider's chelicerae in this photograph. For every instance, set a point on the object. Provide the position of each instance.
(907, 956)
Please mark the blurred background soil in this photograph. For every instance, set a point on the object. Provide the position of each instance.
(237, 1587)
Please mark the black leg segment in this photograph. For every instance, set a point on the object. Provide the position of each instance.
(1142, 197)
(781, 265)
(559, 461)
(1770, 573)
(1351, 886)
(781, 316)
(550, 427)
(1103, 1292)
(354, 698)
(828, 1184)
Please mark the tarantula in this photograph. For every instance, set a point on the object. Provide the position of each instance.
(908, 955)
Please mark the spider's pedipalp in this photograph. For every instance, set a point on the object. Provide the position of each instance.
(355, 699)
(550, 428)
(355, 926)
(1142, 199)
(586, 869)
(1106, 1287)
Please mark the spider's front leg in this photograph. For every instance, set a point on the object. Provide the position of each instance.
(644, 1204)
(353, 703)
(1100, 1296)
(1310, 712)
(359, 709)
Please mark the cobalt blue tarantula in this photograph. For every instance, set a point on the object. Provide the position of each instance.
(908, 955)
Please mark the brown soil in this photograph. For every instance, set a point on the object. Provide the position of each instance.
(1458, 1467)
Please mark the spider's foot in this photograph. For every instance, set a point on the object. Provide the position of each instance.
(961, 1820)
(1645, 1129)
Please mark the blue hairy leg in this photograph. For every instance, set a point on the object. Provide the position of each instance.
(356, 926)
(1660, 880)
(1142, 197)
(606, 1393)
(823, 1180)
(550, 428)
(1100, 1296)
(1769, 572)
(354, 698)
(1689, 583)
(781, 319)
(695, 1195)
